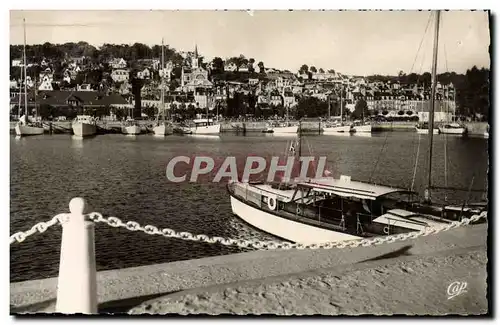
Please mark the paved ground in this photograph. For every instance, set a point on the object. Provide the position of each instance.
(410, 285)
(121, 290)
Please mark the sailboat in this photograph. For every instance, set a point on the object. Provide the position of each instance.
(162, 128)
(84, 125)
(287, 127)
(24, 126)
(339, 126)
(423, 128)
(325, 209)
(452, 127)
(130, 126)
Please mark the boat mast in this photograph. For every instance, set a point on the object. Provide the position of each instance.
(162, 80)
(25, 73)
(329, 107)
(36, 107)
(341, 99)
(286, 106)
(20, 95)
(433, 102)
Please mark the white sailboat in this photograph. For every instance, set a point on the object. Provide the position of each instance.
(361, 126)
(24, 127)
(452, 127)
(423, 128)
(205, 125)
(162, 128)
(84, 125)
(287, 127)
(486, 133)
(325, 209)
(338, 127)
(130, 126)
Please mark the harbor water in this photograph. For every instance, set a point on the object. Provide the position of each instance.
(124, 176)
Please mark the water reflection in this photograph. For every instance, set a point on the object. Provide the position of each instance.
(362, 134)
(283, 135)
(339, 134)
(204, 136)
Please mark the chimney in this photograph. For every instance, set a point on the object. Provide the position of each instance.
(136, 91)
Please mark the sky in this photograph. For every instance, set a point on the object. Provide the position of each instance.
(350, 42)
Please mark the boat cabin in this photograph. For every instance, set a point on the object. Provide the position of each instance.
(84, 119)
(351, 207)
(203, 122)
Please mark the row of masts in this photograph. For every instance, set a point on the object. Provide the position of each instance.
(431, 113)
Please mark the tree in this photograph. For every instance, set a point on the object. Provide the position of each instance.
(261, 67)
(304, 69)
(313, 69)
(150, 111)
(321, 70)
(360, 109)
(331, 71)
(251, 62)
(218, 65)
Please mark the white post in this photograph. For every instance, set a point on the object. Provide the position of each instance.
(77, 284)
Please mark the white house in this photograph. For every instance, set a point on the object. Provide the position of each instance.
(144, 74)
(243, 68)
(17, 62)
(230, 66)
(46, 74)
(118, 63)
(46, 84)
(120, 75)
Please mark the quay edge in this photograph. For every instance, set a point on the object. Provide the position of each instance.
(123, 289)
(473, 128)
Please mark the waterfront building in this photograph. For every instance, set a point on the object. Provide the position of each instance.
(118, 63)
(195, 79)
(120, 75)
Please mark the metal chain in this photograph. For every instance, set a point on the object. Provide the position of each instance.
(40, 227)
(268, 245)
(262, 245)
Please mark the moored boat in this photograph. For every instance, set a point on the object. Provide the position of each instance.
(423, 128)
(362, 127)
(327, 210)
(131, 127)
(452, 128)
(84, 125)
(320, 210)
(286, 128)
(337, 128)
(162, 127)
(202, 126)
(24, 126)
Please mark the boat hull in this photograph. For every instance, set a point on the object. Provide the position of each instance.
(286, 129)
(362, 128)
(426, 131)
(284, 228)
(25, 130)
(132, 130)
(452, 130)
(84, 129)
(208, 129)
(337, 129)
(163, 130)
